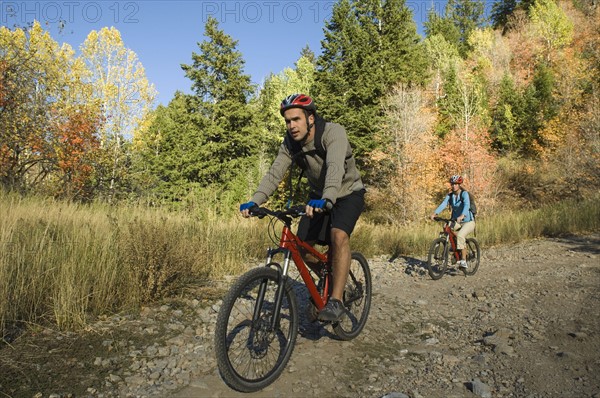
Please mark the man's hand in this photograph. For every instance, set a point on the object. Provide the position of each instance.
(316, 206)
(246, 207)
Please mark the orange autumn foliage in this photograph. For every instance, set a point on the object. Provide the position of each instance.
(473, 160)
(77, 147)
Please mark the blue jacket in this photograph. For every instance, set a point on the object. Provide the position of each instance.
(460, 205)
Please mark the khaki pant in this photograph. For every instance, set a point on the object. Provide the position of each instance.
(461, 234)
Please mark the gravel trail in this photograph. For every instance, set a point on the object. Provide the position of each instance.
(526, 325)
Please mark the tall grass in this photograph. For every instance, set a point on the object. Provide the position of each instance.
(63, 262)
(66, 263)
(567, 217)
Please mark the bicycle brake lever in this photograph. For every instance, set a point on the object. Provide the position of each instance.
(257, 212)
(298, 210)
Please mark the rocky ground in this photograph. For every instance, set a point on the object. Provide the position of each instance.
(526, 325)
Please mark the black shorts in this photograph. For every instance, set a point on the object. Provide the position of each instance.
(344, 216)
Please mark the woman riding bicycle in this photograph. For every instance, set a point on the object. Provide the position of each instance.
(460, 203)
(334, 181)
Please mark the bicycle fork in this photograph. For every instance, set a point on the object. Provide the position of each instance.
(282, 272)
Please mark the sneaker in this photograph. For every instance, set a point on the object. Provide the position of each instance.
(333, 311)
(462, 264)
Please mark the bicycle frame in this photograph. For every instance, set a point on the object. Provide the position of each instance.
(261, 314)
(451, 237)
(289, 245)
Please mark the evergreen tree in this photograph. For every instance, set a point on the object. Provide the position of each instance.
(221, 93)
(309, 55)
(518, 118)
(402, 47)
(467, 15)
(526, 5)
(539, 107)
(544, 83)
(437, 25)
(460, 18)
(501, 12)
(506, 117)
(168, 163)
(369, 46)
(332, 82)
(448, 102)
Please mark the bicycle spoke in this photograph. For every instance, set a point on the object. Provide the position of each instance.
(473, 256)
(437, 260)
(357, 299)
(254, 353)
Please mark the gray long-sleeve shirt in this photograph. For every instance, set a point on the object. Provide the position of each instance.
(332, 178)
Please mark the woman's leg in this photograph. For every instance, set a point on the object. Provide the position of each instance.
(461, 237)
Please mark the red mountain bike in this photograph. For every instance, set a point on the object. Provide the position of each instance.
(443, 250)
(258, 322)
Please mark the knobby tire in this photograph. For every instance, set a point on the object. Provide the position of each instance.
(437, 260)
(251, 356)
(357, 299)
(473, 256)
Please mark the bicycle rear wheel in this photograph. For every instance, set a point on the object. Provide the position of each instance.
(357, 299)
(473, 256)
(250, 353)
(437, 260)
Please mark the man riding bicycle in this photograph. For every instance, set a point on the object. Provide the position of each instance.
(335, 185)
(460, 203)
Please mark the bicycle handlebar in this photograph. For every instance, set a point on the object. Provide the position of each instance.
(295, 211)
(446, 220)
(443, 219)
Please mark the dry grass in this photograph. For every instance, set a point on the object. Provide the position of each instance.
(64, 263)
(570, 216)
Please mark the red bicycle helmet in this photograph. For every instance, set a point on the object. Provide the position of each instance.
(456, 179)
(297, 101)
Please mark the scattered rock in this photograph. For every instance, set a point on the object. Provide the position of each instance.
(480, 389)
(505, 330)
(395, 395)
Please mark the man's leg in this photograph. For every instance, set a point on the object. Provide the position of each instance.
(344, 216)
(340, 261)
(340, 250)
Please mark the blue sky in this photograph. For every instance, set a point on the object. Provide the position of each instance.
(270, 33)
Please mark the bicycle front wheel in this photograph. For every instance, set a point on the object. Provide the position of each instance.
(357, 299)
(473, 256)
(251, 353)
(437, 260)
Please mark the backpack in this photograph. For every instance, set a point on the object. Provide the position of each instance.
(473, 208)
